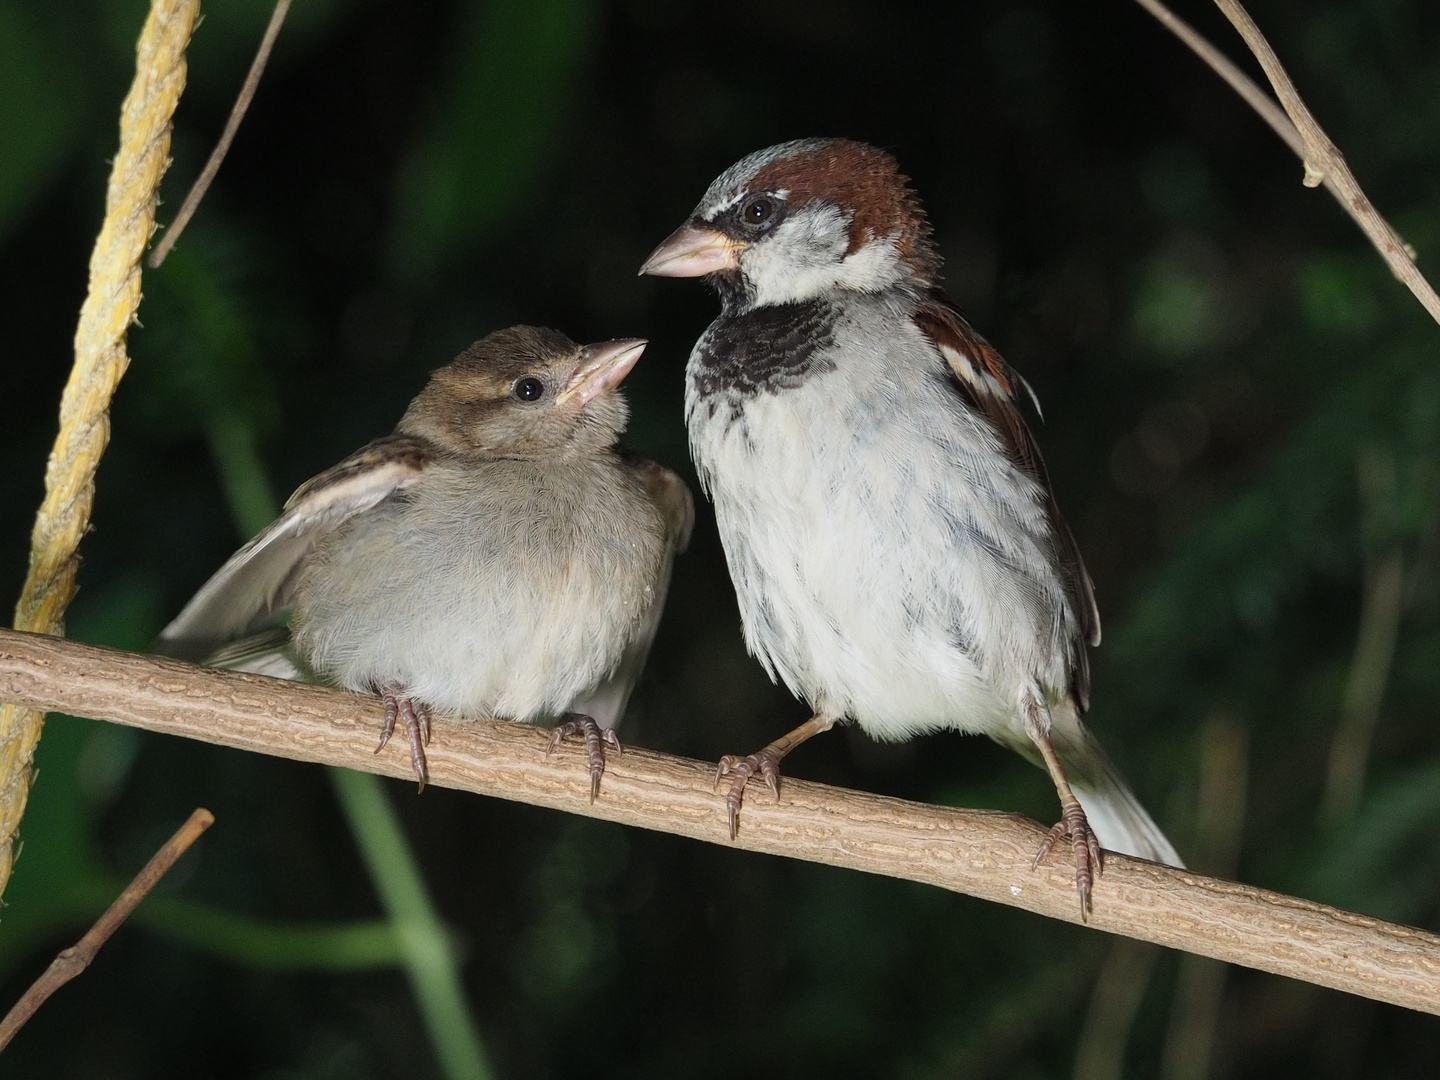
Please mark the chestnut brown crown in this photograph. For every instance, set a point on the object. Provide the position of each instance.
(801, 219)
(856, 177)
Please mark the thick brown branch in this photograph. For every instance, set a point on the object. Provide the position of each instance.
(77, 958)
(979, 852)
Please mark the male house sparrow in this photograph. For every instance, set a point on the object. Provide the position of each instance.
(498, 555)
(896, 550)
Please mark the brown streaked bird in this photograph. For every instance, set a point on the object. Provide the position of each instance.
(497, 556)
(897, 552)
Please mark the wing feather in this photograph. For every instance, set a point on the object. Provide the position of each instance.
(990, 386)
(670, 494)
(257, 583)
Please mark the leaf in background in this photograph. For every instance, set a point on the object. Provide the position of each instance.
(1387, 860)
(200, 354)
(493, 126)
(202, 366)
(1258, 553)
(40, 112)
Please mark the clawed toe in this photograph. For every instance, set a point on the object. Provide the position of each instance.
(416, 715)
(417, 729)
(765, 763)
(392, 713)
(1086, 848)
(596, 739)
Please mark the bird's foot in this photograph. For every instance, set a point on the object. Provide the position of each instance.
(765, 762)
(596, 739)
(416, 715)
(1088, 862)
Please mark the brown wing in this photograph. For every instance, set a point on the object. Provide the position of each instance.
(258, 581)
(376, 469)
(991, 387)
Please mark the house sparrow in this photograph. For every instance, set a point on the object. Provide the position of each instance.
(896, 550)
(498, 555)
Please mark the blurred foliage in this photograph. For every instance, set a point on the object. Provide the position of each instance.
(493, 127)
(1218, 351)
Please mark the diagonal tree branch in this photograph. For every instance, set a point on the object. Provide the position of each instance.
(222, 147)
(979, 852)
(1297, 126)
(77, 958)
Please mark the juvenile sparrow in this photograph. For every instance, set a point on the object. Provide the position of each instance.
(888, 522)
(497, 556)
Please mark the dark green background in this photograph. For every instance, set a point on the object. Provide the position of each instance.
(1220, 354)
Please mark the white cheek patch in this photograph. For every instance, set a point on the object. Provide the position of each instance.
(805, 257)
(874, 267)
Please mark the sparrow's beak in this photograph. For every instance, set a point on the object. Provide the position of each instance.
(692, 251)
(602, 366)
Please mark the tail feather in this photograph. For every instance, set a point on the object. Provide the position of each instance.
(1117, 817)
(1122, 824)
(269, 652)
(1119, 821)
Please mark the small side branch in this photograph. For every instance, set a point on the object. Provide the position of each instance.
(232, 125)
(1297, 126)
(77, 958)
(978, 852)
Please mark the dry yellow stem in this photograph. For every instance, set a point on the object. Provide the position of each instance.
(100, 361)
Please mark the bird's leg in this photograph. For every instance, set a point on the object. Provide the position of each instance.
(416, 715)
(766, 762)
(595, 739)
(1072, 823)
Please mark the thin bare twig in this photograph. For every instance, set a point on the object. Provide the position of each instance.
(1323, 161)
(77, 958)
(1222, 65)
(237, 113)
(983, 853)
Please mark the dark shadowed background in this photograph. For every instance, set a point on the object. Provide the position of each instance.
(1242, 419)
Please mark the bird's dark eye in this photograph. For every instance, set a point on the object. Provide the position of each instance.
(758, 211)
(529, 388)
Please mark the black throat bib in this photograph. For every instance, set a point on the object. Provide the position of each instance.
(763, 349)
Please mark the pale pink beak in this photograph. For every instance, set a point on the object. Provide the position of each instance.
(692, 251)
(602, 366)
